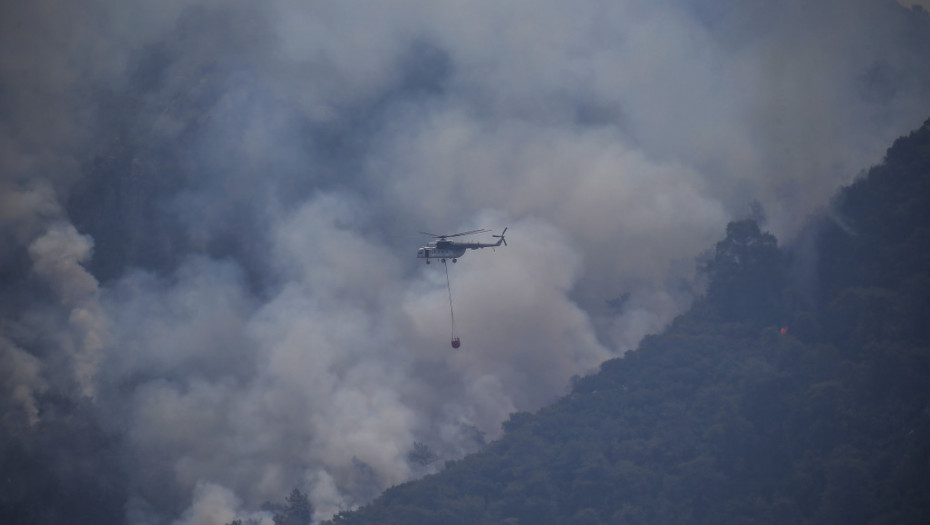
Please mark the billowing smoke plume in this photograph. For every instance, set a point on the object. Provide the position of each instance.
(209, 213)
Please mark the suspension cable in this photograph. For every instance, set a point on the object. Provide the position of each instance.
(449, 287)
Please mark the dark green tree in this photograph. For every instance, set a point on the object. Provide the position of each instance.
(297, 510)
(747, 274)
(421, 454)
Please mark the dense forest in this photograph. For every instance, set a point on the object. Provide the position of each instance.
(795, 391)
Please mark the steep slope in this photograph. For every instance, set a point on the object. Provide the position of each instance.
(796, 391)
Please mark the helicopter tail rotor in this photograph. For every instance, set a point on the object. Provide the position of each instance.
(501, 237)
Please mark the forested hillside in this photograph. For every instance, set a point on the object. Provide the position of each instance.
(796, 391)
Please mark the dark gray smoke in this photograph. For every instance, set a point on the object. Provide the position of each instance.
(209, 212)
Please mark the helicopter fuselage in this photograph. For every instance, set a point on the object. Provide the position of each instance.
(442, 250)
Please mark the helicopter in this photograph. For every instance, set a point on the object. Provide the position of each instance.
(443, 249)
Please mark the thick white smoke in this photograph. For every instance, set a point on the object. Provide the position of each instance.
(250, 179)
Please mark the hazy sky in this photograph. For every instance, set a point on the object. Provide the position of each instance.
(209, 211)
(908, 3)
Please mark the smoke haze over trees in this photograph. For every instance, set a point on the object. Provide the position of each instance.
(208, 215)
(804, 405)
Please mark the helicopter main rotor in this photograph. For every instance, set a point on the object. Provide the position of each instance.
(444, 237)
